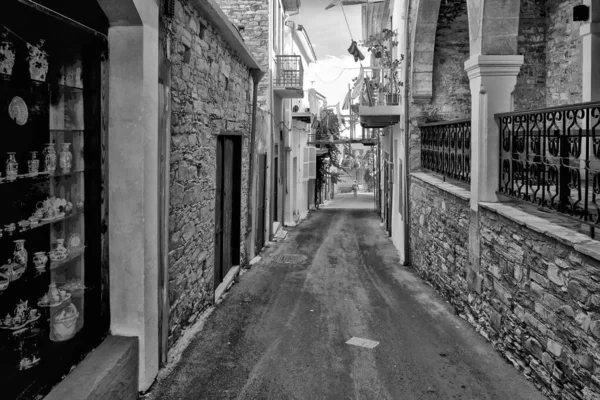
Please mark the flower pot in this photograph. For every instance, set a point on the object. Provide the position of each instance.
(393, 99)
(377, 54)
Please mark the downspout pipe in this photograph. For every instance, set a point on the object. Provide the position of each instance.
(406, 137)
(257, 75)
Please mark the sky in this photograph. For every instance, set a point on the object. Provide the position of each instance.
(329, 35)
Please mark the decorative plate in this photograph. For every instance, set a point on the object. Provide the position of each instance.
(17, 110)
(73, 242)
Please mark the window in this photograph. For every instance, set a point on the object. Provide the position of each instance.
(53, 307)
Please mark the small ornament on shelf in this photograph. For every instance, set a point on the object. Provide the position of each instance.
(20, 253)
(22, 316)
(33, 164)
(60, 252)
(64, 323)
(40, 259)
(49, 158)
(38, 61)
(7, 55)
(54, 297)
(12, 167)
(66, 157)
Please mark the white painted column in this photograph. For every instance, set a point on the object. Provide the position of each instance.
(493, 79)
(590, 40)
(133, 177)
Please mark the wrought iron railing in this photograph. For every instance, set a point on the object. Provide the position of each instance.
(551, 157)
(289, 71)
(319, 138)
(446, 148)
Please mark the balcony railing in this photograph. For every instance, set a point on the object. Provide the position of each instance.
(289, 72)
(378, 90)
(551, 157)
(446, 148)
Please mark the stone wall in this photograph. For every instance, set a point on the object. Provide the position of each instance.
(251, 17)
(530, 91)
(540, 301)
(211, 91)
(564, 54)
(439, 237)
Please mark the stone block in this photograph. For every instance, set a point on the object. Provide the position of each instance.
(577, 291)
(556, 275)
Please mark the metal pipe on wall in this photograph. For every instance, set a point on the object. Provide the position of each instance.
(406, 138)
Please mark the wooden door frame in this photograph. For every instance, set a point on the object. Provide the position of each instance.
(164, 156)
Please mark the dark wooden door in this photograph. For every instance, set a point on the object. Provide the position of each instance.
(390, 196)
(260, 212)
(227, 207)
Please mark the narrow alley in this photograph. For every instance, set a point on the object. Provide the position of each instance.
(281, 332)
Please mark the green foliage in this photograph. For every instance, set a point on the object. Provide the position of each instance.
(328, 126)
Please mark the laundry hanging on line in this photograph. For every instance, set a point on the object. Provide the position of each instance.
(353, 50)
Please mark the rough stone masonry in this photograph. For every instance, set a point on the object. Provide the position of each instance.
(211, 92)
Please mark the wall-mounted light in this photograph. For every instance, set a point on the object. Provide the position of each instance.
(581, 13)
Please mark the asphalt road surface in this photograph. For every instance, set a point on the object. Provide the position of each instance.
(281, 332)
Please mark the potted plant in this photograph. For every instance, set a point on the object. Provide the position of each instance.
(382, 45)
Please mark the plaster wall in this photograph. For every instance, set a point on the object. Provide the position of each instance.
(133, 177)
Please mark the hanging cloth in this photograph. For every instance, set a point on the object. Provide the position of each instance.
(358, 86)
(354, 51)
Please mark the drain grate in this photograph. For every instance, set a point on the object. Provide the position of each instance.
(291, 258)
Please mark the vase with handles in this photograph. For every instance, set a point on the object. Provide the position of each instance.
(49, 158)
(7, 55)
(38, 61)
(12, 167)
(66, 157)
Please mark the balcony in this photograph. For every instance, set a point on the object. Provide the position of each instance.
(379, 103)
(289, 77)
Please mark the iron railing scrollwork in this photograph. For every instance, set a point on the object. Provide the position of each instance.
(289, 71)
(446, 148)
(551, 157)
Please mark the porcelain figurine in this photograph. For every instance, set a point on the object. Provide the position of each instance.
(33, 164)
(39, 260)
(20, 253)
(12, 167)
(50, 158)
(66, 157)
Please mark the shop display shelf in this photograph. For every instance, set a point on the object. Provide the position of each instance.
(71, 256)
(12, 235)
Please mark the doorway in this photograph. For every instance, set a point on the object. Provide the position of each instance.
(294, 184)
(228, 205)
(276, 189)
(259, 242)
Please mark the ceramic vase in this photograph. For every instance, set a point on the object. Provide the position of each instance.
(39, 260)
(38, 62)
(50, 158)
(12, 167)
(33, 164)
(7, 57)
(65, 158)
(20, 253)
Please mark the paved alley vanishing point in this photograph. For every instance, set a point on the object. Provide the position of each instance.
(281, 332)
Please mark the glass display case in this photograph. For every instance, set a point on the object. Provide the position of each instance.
(51, 201)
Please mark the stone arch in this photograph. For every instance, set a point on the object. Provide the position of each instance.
(423, 46)
(493, 26)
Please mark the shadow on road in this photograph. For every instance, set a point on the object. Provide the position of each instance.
(362, 201)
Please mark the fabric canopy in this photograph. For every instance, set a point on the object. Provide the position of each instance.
(349, 3)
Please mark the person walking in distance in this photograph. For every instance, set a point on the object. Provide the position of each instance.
(355, 188)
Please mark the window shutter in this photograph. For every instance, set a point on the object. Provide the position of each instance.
(306, 163)
(312, 170)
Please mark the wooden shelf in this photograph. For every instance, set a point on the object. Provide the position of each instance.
(71, 256)
(39, 176)
(73, 214)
